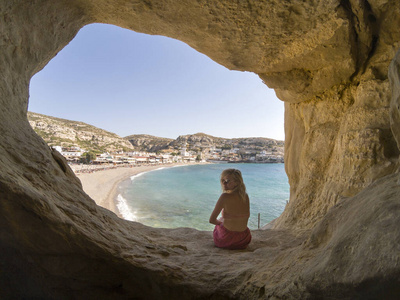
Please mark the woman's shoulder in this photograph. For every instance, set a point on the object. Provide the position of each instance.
(225, 195)
(229, 196)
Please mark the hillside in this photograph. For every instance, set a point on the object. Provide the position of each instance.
(66, 133)
(149, 143)
(201, 141)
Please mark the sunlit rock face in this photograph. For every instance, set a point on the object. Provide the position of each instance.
(339, 141)
(338, 236)
(394, 76)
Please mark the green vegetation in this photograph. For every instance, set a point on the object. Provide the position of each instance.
(87, 157)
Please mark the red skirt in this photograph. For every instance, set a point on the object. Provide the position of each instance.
(224, 238)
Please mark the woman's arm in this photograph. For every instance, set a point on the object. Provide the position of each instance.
(218, 207)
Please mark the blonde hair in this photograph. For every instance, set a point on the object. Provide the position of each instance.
(236, 175)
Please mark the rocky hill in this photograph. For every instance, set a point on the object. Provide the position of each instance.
(201, 141)
(66, 133)
(149, 143)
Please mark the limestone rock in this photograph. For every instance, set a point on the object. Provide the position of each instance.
(338, 237)
(394, 72)
(66, 133)
(201, 141)
(149, 143)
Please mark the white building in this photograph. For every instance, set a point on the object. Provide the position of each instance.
(184, 152)
(73, 153)
(58, 148)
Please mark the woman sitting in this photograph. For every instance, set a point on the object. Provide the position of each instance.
(231, 231)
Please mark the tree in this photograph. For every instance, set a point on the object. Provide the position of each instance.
(88, 157)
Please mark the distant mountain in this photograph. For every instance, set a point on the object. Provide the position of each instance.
(149, 143)
(201, 141)
(66, 133)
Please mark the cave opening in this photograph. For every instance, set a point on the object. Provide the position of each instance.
(62, 245)
(123, 81)
(131, 83)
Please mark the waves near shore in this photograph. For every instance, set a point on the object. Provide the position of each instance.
(185, 197)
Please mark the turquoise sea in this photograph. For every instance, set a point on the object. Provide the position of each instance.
(185, 196)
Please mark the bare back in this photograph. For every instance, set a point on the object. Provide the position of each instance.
(236, 212)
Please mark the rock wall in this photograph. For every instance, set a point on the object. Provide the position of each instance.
(338, 236)
(340, 141)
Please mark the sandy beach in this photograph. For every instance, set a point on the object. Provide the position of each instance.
(102, 185)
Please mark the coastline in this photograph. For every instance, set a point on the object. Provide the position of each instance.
(102, 185)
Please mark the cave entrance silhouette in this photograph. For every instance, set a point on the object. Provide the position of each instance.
(56, 243)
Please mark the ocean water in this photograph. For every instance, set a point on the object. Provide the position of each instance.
(185, 196)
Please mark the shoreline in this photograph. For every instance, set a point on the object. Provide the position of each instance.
(102, 185)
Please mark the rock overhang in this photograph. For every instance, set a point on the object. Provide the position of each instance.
(314, 55)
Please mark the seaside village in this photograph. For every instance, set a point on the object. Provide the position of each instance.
(81, 161)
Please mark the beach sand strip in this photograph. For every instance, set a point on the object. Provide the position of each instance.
(102, 186)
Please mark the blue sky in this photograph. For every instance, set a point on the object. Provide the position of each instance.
(132, 83)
